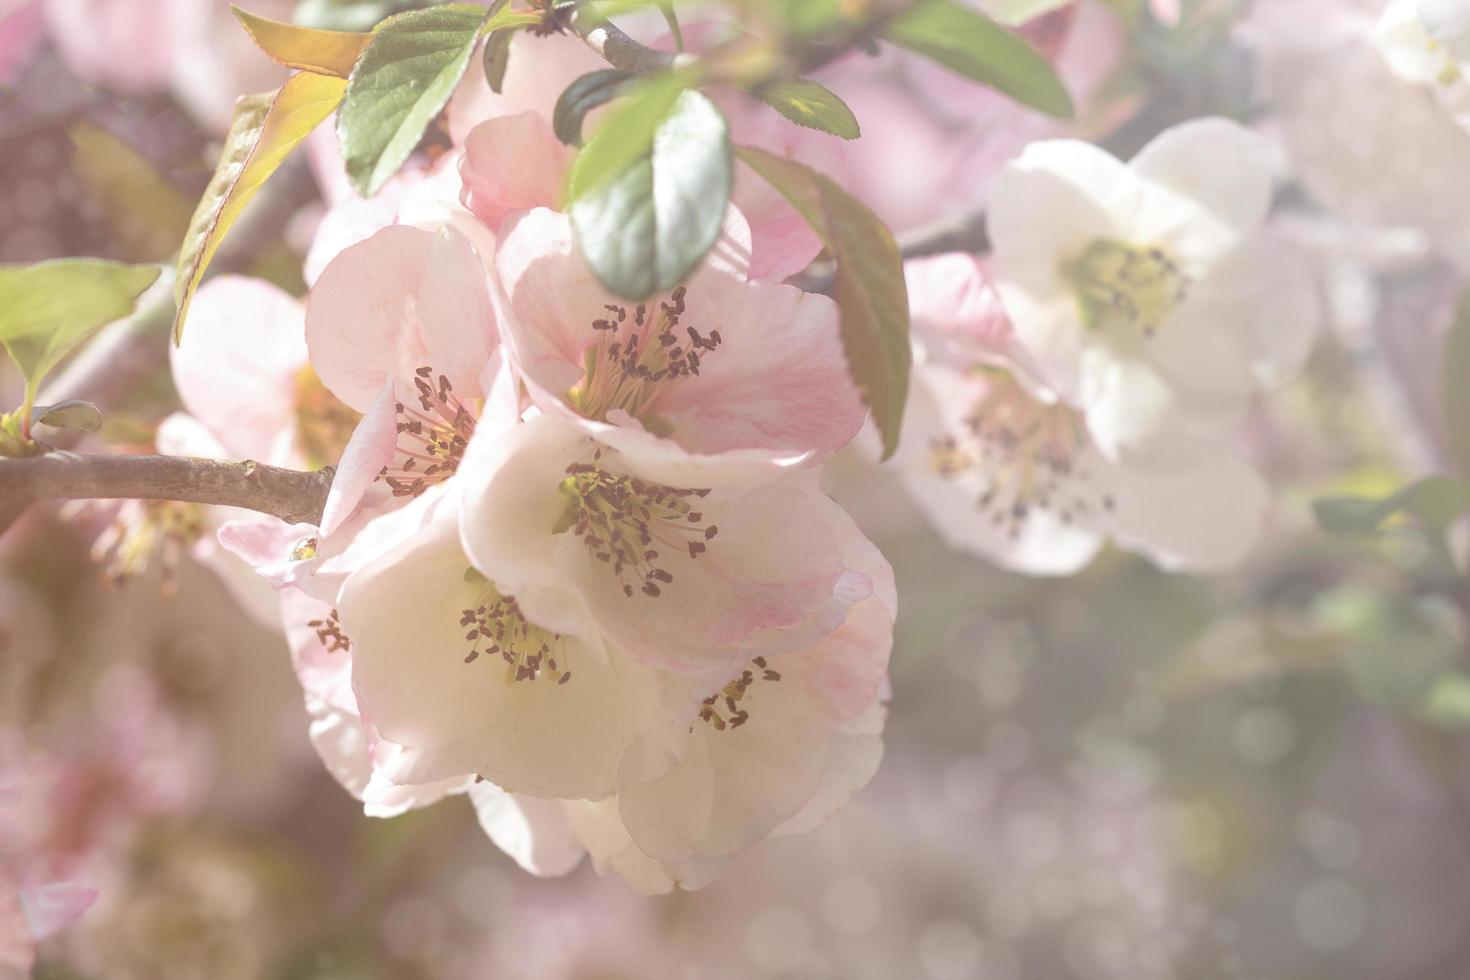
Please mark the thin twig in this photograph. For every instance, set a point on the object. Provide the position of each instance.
(965, 233)
(617, 48)
(294, 496)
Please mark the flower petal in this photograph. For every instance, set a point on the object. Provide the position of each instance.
(535, 833)
(404, 612)
(512, 163)
(1206, 519)
(236, 370)
(1216, 165)
(361, 326)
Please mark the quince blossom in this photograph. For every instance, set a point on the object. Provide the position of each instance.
(1427, 42)
(723, 375)
(1147, 293)
(1007, 471)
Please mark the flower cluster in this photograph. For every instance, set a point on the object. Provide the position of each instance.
(575, 563)
(1085, 381)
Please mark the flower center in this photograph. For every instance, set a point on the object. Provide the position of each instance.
(635, 361)
(627, 523)
(1120, 283)
(727, 708)
(496, 626)
(431, 438)
(323, 424)
(143, 531)
(1027, 454)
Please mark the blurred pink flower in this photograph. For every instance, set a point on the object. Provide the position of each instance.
(944, 138)
(30, 915)
(21, 29)
(193, 49)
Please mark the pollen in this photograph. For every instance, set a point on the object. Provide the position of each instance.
(632, 525)
(1122, 284)
(497, 628)
(1026, 455)
(637, 358)
(729, 707)
(329, 633)
(432, 436)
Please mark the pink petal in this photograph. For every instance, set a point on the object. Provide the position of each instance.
(360, 323)
(51, 908)
(512, 163)
(238, 366)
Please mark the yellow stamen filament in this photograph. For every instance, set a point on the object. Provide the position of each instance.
(626, 522)
(638, 359)
(1122, 284)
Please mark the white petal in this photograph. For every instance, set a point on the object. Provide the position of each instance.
(1204, 519)
(535, 833)
(342, 741)
(452, 717)
(1216, 165)
(1138, 419)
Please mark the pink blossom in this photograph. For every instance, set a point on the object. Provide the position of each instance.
(722, 373)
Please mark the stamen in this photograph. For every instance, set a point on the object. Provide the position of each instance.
(1026, 454)
(625, 522)
(497, 627)
(728, 708)
(1119, 282)
(632, 365)
(146, 531)
(431, 438)
(329, 633)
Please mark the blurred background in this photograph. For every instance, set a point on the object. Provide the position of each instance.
(1124, 774)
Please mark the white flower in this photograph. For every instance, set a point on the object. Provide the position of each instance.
(1366, 144)
(1426, 41)
(1007, 472)
(1146, 293)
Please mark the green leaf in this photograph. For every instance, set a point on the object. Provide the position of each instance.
(1454, 391)
(971, 44)
(495, 59)
(814, 106)
(266, 128)
(869, 284)
(74, 414)
(404, 77)
(582, 96)
(1435, 502)
(648, 193)
(1015, 12)
(306, 48)
(46, 309)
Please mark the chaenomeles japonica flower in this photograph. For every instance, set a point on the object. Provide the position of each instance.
(1148, 295)
(1428, 42)
(427, 679)
(1006, 470)
(545, 585)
